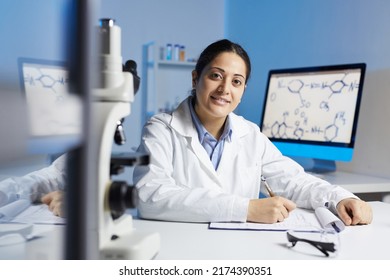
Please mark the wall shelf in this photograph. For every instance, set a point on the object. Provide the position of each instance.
(165, 83)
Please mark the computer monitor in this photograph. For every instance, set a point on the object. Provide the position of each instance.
(312, 112)
(54, 113)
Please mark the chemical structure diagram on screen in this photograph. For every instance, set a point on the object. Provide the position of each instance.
(310, 108)
(49, 80)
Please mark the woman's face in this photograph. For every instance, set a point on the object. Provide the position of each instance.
(220, 87)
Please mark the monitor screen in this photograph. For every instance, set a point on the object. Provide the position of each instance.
(54, 114)
(313, 111)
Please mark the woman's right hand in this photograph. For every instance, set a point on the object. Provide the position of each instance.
(55, 201)
(269, 210)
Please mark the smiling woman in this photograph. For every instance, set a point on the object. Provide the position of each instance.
(207, 162)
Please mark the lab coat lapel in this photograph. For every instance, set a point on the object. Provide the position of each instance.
(232, 148)
(230, 151)
(182, 123)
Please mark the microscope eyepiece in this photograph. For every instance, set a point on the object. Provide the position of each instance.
(106, 22)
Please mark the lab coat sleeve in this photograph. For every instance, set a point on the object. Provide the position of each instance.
(162, 197)
(289, 180)
(35, 184)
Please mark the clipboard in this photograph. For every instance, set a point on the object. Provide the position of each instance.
(299, 220)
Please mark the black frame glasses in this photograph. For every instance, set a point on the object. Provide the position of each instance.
(324, 247)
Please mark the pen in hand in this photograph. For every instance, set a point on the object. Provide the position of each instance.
(269, 190)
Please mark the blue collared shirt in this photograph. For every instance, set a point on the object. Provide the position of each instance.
(213, 147)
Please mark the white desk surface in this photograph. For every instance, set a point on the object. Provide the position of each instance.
(192, 241)
(186, 241)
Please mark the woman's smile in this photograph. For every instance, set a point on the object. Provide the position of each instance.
(219, 100)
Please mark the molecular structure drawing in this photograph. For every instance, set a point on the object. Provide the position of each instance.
(313, 107)
(52, 109)
(47, 80)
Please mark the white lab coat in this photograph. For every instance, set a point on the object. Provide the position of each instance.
(181, 184)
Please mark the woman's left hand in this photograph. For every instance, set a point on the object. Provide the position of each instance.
(354, 212)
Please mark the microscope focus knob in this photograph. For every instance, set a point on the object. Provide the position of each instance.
(121, 197)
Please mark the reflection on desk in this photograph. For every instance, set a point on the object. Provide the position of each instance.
(195, 241)
(47, 243)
